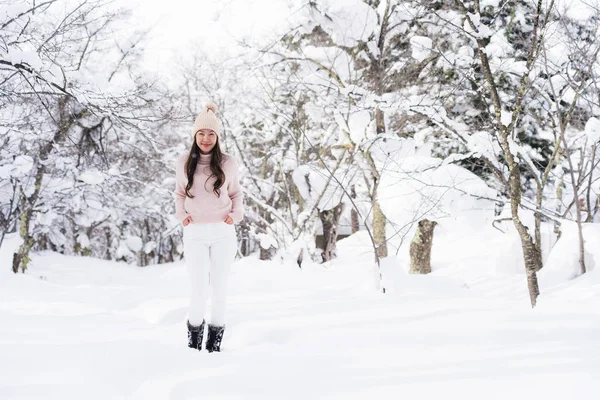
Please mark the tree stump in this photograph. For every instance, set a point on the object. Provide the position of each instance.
(420, 248)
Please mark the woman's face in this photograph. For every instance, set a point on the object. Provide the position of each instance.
(206, 139)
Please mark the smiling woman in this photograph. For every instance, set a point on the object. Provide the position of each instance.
(208, 202)
(206, 139)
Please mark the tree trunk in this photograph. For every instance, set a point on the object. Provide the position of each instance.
(21, 257)
(533, 263)
(7, 222)
(531, 251)
(243, 232)
(538, 219)
(354, 212)
(591, 210)
(420, 248)
(577, 202)
(266, 254)
(4, 227)
(532, 254)
(379, 222)
(107, 254)
(559, 197)
(330, 220)
(66, 120)
(581, 242)
(379, 121)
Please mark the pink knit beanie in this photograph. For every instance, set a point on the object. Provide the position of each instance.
(207, 119)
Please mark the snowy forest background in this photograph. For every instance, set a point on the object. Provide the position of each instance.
(410, 124)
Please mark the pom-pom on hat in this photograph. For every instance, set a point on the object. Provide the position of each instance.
(207, 119)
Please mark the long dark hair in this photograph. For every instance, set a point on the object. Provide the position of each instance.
(215, 167)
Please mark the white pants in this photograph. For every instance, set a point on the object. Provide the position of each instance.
(209, 251)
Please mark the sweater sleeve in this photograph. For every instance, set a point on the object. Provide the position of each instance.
(180, 183)
(236, 194)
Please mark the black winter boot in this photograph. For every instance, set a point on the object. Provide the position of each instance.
(213, 340)
(195, 335)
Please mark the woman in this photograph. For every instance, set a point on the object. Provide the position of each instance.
(208, 202)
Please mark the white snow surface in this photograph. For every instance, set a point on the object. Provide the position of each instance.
(421, 47)
(135, 243)
(592, 129)
(267, 241)
(21, 166)
(563, 262)
(92, 177)
(576, 9)
(319, 186)
(422, 187)
(76, 328)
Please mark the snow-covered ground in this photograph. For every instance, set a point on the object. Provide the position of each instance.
(80, 328)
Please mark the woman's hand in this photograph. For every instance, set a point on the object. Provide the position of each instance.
(228, 220)
(187, 221)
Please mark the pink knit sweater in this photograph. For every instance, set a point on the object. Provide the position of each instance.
(206, 207)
